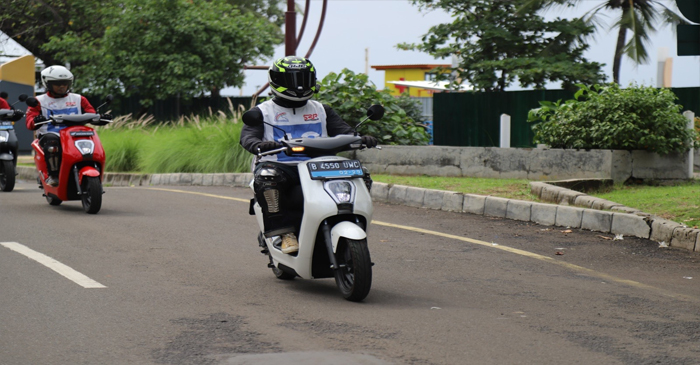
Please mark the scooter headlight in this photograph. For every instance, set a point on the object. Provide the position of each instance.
(85, 146)
(4, 136)
(342, 191)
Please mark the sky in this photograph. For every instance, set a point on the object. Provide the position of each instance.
(353, 26)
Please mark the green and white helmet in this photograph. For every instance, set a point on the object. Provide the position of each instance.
(293, 78)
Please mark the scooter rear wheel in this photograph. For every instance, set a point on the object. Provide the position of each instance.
(354, 276)
(92, 194)
(7, 176)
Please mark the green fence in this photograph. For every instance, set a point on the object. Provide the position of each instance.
(473, 119)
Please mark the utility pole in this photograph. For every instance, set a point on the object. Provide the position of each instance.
(290, 30)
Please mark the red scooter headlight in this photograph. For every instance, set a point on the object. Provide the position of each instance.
(85, 146)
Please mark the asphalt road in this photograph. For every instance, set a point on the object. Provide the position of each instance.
(173, 275)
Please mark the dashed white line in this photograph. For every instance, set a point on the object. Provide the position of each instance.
(54, 265)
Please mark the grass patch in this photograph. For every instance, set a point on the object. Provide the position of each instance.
(679, 202)
(503, 188)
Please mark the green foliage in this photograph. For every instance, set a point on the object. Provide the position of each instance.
(500, 43)
(607, 117)
(159, 49)
(350, 94)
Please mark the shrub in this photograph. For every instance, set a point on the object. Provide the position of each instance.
(607, 117)
(350, 94)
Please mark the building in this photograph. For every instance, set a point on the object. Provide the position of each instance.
(413, 79)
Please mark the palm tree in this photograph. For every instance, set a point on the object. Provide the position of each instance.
(640, 17)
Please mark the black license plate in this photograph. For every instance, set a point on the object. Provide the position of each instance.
(320, 170)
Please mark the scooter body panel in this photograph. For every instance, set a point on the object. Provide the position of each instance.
(318, 206)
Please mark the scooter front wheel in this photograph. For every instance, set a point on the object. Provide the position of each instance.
(53, 201)
(92, 194)
(7, 176)
(354, 275)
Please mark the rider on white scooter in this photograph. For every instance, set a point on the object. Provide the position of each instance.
(293, 83)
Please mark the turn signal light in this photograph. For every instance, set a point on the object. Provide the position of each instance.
(298, 149)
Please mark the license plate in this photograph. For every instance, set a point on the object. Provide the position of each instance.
(6, 125)
(320, 170)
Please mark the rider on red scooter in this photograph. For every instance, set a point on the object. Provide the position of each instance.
(57, 81)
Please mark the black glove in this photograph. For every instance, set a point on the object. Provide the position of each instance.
(106, 116)
(268, 145)
(17, 115)
(369, 141)
(38, 119)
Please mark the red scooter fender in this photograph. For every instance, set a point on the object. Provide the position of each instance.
(87, 171)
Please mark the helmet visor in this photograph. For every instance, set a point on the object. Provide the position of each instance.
(300, 81)
(53, 83)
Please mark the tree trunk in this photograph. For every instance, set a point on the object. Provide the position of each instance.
(621, 35)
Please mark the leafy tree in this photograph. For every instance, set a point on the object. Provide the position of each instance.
(607, 117)
(640, 17)
(159, 49)
(31, 23)
(497, 45)
(350, 94)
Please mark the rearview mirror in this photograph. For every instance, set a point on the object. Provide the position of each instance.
(375, 112)
(23, 97)
(31, 101)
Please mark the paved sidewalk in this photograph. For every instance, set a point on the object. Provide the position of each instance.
(566, 208)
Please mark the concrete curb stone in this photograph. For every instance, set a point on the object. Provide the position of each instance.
(597, 220)
(495, 207)
(630, 225)
(662, 230)
(474, 204)
(519, 210)
(685, 238)
(569, 217)
(433, 199)
(544, 214)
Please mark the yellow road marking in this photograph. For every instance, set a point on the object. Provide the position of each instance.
(203, 194)
(567, 265)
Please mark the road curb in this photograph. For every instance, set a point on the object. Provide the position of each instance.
(567, 208)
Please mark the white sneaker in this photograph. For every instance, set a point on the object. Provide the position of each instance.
(289, 243)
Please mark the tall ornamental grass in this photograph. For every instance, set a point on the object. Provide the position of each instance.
(191, 144)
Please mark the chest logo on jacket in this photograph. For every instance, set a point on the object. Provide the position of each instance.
(308, 117)
(281, 117)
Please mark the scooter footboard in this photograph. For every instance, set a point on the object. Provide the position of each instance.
(348, 230)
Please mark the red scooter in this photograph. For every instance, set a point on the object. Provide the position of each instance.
(82, 159)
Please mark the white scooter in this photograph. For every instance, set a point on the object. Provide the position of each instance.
(337, 210)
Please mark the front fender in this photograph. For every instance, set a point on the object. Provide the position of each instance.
(348, 230)
(87, 171)
(6, 157)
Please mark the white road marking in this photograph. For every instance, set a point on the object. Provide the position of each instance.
(54, 265)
